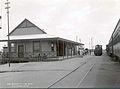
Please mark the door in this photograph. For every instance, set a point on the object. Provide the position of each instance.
(20, 51)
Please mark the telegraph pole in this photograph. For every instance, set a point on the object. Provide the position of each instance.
(7, 7)
(92, 43)
(1, 22)
(76, 38)
(1, 15)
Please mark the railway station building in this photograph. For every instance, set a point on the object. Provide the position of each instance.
(30, 43)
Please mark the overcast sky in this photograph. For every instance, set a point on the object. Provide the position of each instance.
(66, 18)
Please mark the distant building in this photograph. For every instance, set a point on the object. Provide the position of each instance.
(30, 42)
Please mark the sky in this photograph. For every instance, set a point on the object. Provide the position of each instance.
(77, 20)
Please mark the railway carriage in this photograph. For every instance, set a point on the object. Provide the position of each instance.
(98, 50)
(113, 48)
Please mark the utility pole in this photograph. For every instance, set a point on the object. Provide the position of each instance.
(7, 7)
(1, 22)
(92, 43)
(89, 45)
(80, 40)
(1, 15)
(76, 38)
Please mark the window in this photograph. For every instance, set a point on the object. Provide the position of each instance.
(52, 47)
(13, 47)
(36, 46)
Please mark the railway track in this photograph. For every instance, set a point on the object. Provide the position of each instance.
(79, 83)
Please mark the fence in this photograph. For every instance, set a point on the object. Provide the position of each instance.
(29, 56)
(16, 57)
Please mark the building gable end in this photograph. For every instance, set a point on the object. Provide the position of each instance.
(25, 27)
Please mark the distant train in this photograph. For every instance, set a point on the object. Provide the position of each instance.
(113, 47)
(98, 50)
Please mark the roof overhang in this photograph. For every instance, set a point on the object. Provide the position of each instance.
(38, 37)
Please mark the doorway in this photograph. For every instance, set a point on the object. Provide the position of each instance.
(20, 51)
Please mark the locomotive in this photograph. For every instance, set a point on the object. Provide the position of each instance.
(113, 47)
(98, 50)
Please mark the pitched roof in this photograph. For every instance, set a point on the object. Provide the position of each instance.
(25, 28)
